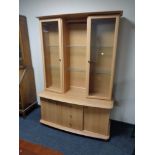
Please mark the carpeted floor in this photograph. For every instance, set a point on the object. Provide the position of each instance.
(121, 142)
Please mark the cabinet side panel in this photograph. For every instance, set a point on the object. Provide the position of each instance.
(27, 88)
(32, 88)
(88, 55)
(114, 54)
(66, 56)
(46, 53)
(24, 41)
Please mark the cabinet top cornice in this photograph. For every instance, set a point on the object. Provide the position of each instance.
(80, 15)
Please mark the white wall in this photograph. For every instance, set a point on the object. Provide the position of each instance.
(124, 92)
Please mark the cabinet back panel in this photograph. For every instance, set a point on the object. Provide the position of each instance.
(77, 33)
(77, 51)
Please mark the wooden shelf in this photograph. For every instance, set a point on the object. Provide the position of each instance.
(96, 96)
(79, 46)
(77, 96)
(54, 89)
(82, 132)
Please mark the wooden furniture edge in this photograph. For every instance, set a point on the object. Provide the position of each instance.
(76, 102)
(84, 14)
(25, 111)
(30, 106)
(83, 132)
(22, 76)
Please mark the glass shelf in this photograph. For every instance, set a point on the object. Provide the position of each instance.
(53, 45)
(103, 51)
(55, 67)
(76, 70)
(103, 72)
(102, 46)
(53, 49)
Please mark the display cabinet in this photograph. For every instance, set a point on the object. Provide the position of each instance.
(53, 54)
(27, 89)
(79, 53)
(102, 39)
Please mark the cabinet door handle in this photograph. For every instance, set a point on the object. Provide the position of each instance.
(59, 59)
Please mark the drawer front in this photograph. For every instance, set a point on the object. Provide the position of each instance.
(51, 111)
(72, 116)
(96, 120)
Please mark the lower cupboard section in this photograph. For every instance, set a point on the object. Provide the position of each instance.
(88, 121)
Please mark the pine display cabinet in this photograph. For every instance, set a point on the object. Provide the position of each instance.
(79, 52)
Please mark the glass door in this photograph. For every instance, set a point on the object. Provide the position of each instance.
(52, 53)
(102, 33)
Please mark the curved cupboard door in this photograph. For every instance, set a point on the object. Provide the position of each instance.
(101, 49)
(52, 54)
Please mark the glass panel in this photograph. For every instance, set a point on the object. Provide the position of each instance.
(102, 37)
(51, 54)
